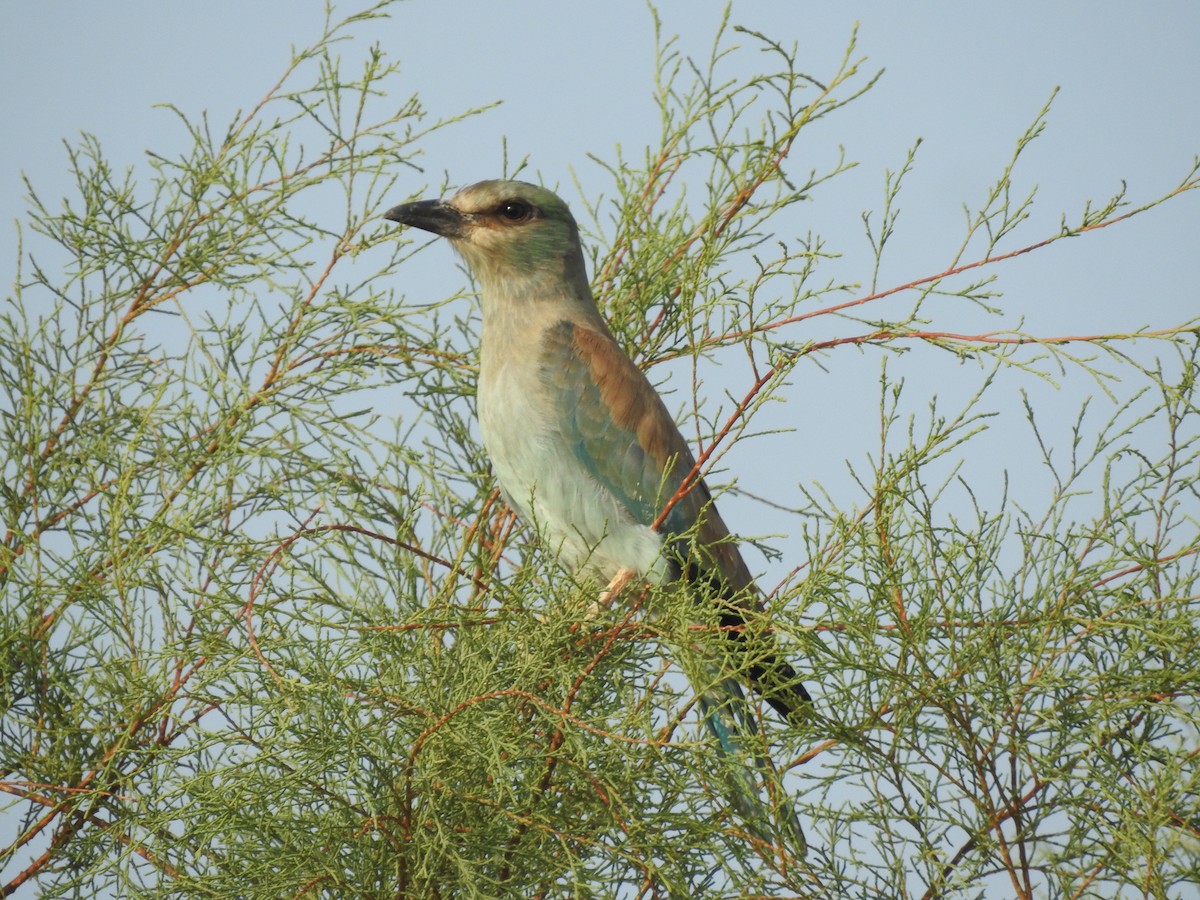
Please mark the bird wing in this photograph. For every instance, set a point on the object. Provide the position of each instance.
(624, 437)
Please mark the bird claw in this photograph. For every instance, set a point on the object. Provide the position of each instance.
(608, 596)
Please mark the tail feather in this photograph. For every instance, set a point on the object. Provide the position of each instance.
(749, 644)
(717, 575)
(747, 773)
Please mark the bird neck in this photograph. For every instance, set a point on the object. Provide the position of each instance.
(530, 299)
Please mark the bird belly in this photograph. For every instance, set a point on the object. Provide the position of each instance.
(576, 517)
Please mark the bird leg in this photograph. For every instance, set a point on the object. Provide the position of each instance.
(619, 582)
(607, 596)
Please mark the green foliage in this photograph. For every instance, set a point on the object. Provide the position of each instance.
(268, 630)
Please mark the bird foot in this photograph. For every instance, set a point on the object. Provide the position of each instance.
(610, 593)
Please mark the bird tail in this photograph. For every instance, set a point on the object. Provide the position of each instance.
(747, 773)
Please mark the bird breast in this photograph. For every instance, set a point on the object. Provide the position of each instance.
(544, 479)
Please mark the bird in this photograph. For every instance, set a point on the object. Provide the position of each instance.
(585, 450)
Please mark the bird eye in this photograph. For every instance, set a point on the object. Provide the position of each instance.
(515, 210)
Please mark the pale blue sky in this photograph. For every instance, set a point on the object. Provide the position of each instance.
(577, 79)
(967, 78)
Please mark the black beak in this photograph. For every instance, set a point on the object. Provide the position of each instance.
(430, 215)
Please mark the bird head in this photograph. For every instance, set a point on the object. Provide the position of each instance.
(507, 232)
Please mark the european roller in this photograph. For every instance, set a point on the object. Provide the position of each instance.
(585, 450)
